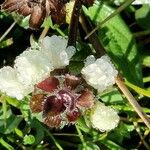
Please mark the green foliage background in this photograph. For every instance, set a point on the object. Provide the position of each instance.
(126, 38)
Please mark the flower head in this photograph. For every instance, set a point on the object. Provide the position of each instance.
(11, 85)
(57, 51)
(103, 118)
(100, 73)
(62, 105)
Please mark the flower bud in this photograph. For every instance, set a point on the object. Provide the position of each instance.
(103, 118)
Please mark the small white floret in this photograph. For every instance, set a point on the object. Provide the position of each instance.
(55, 47)
(100, 73)
(103, 118)
(10, 84)
(32, 67)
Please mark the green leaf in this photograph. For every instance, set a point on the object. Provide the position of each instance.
(121, 132)
(12, 123)
(118, 42)
(6, 145)
(6, 43)
(12, 101)
(75, 67)
(146, 58)
(112, 97)
(88, 146)
(112, 145)
(29, 139)
(39, 135)
(19, 132)
(22, 21)
(142, 16)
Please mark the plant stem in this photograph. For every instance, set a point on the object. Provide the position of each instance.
(44, 32)
(140, 135)
(132, 101)
(7, 31)
(74, 23)
(56, 143)
(141, 33)
(117, 11)
(87, 27)
(81, 137)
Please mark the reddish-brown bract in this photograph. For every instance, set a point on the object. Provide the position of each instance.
(62, 104)
(39, 9)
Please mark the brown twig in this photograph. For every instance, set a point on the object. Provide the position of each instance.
(74, 23)
(146, 133)
(132, 101)
(141, 136)
(87, 27)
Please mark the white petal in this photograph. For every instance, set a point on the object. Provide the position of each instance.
(55, 48)
(89, 60)
(70, 50)
(32, 67)
(100, 74)
(10, 84)
(103, 118)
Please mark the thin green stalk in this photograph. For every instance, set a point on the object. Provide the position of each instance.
(81, 137)
(4, 108)
(56, 143)
(141, 33)
(117, 11)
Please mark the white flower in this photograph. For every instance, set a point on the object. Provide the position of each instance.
(103, 118)
(55, 47)
(10, 84)
(100, 73)
(32, 67)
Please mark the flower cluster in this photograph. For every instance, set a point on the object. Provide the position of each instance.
(34, 65)
(64, 102)
(60, 98)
